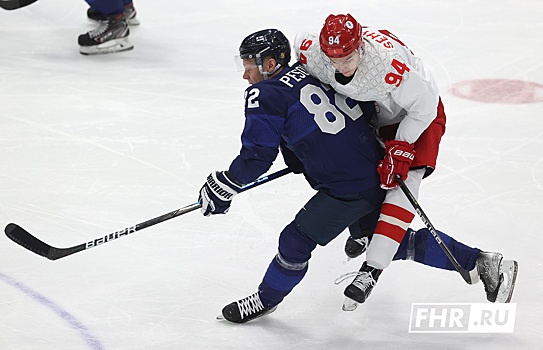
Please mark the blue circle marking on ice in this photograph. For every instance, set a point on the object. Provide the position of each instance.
(89, 339)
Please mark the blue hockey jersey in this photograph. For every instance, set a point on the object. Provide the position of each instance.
(327, 132)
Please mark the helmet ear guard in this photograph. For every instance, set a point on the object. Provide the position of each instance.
(340, 36)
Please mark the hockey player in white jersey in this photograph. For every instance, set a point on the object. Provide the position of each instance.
(374, 65)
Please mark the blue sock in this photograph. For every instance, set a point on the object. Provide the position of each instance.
(422, 247)
(107, 7)
(278, 282)
(288, 267)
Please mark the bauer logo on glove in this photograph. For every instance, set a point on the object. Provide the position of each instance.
(404, 154)
(398, 158)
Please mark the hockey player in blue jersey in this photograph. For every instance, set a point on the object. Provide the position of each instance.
(327, 137)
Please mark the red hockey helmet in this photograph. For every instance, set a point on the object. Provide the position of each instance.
(340, 36)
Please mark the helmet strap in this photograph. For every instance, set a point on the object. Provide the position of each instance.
(259, 62)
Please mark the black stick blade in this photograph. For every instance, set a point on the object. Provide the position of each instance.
(15, 4)
(20, 236)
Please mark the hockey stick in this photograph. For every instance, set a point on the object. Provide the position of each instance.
(465, 274)
(22, 237)
(15, 4)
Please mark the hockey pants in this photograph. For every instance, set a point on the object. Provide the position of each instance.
(320, 220)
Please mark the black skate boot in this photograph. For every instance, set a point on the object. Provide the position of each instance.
(498, 276)
(129, 13)
(354, 247)
(360, 288)
(111, 36)
(246, 309)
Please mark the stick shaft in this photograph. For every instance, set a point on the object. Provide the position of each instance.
(25, 239)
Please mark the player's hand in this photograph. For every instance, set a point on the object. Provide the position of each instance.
(217, 193)
(398, 158)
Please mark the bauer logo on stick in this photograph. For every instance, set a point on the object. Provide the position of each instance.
(111, 237)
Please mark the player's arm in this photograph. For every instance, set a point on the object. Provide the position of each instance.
(420, 99)
(261, 135)
(308, 52)
(417, 96)
(410, 86)
(260, 145)
(302, 43)
(291, 159)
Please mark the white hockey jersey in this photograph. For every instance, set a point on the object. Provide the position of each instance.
(389, 74)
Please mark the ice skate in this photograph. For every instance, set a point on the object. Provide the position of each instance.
(129, 12)
(498, 276)
(111, 36)
(509, 269)
(360, 288)
(354, 247)
(245, 309)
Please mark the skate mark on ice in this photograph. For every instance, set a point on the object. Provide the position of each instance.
(75, 324)
(92, 142)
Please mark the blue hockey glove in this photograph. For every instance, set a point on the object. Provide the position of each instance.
(217, 193)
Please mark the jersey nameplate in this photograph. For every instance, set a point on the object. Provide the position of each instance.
(295, 76)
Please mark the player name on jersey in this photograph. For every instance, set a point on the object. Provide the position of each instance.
(297, 74)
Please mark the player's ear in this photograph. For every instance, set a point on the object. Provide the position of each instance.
(270, 64)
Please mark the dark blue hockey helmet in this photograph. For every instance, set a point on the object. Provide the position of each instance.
(264, 43)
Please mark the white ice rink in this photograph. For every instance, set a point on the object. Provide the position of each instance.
(91, 145)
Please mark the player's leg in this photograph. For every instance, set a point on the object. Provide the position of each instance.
(360, 234)
(321, 220)
(111, 35)
(498, 275)
(285, 271)
(421, 246)
(397, 212)
(391, 226)
(129, 11)
(107, 7)
(394, 220)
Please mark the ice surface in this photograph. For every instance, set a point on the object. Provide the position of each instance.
(91, 145)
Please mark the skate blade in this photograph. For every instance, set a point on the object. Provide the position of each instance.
(133, 21)
(349, 305)
(113, 46)
(130, 21)
(221, 317)
(509, 268)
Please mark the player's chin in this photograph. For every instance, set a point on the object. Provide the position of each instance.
(349, 73)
